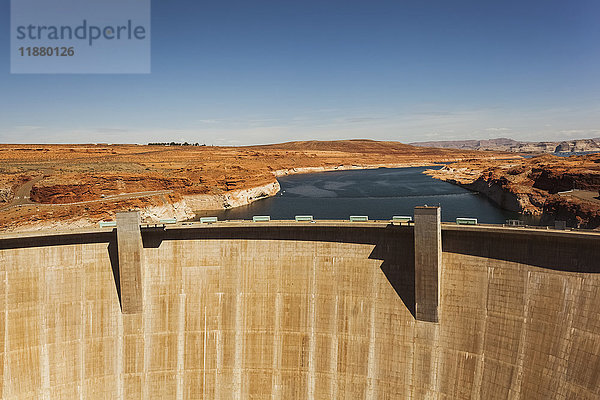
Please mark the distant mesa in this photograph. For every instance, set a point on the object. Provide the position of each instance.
(506, 144)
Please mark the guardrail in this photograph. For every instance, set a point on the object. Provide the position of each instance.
(403, 219)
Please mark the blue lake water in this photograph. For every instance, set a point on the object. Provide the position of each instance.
(379, 193)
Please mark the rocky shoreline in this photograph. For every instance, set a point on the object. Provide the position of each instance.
(539, 186)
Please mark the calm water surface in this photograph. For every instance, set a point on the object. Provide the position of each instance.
(379, 193)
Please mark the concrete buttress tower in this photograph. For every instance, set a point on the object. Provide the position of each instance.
(428, 262)
(129, 243)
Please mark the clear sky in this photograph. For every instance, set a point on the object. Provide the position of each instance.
(252, 72)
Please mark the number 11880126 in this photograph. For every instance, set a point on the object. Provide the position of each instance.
(46, 51)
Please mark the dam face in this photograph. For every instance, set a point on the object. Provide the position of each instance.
(295, 311)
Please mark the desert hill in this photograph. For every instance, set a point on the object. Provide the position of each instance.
(347, 146)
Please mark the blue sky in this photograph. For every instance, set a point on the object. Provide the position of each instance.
(251, 72)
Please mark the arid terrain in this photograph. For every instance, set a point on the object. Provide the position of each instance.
(555, 188)
(42, 186)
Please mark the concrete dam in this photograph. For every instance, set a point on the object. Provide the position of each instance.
(300, 310)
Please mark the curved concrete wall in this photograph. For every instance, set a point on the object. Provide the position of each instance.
(302, 311)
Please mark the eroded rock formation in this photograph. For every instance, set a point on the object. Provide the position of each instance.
(548, 186)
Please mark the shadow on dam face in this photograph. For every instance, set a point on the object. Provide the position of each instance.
(113, 254)
(550, 251)
(394, 246)
(398, 266)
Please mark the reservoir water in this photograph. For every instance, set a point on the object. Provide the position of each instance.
(379, 193)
